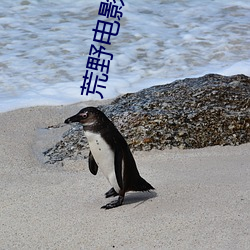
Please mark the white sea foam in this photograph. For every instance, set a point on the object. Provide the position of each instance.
(45, 45)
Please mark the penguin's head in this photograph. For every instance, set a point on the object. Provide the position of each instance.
(88, 117)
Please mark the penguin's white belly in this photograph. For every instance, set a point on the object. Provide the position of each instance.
(104, 157)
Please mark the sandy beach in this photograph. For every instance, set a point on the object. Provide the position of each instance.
(201, 198)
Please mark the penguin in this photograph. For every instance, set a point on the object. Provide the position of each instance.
(110, 152)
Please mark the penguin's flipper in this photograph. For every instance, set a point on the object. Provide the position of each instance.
(111, 193)
(118, 166)
(115, 203)
(93, 167)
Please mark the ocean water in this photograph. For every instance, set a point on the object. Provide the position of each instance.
(44, 46)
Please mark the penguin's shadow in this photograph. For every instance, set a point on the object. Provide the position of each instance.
(137, 198)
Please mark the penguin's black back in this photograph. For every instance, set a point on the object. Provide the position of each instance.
(132, 180)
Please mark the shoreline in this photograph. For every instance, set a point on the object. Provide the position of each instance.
(201, 198)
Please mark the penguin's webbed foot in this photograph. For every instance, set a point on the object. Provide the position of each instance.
(113, 204)
(111, 193)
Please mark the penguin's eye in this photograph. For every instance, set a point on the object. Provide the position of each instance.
(84, 115)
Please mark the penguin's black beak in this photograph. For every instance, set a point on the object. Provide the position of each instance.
(74, 118)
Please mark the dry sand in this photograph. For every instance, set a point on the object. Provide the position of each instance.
(201, 201)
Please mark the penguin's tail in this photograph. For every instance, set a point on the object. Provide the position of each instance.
(141, 185)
